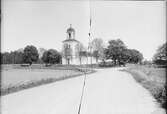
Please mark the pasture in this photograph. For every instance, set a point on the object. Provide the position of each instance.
(15, 78)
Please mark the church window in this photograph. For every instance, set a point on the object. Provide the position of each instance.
(69, 35)
(68, 45)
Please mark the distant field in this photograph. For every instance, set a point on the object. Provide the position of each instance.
(23, 76)
(15, 78)
(153, 79)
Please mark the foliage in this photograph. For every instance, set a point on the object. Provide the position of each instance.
(118, 52)
(83, 53)
(153, 79)
(51, 57)
(27, 55)
(160, 56)
(147, 62)
(79, 48)
(41, 51)
(106, 64)
(134, 56)
(96, 54)
(5, 58)
(115, 50)
(30, 54)
(14, 57)
(98, 48)
(80, 51)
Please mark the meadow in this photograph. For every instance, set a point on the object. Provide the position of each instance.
(15, 78)
(152, 78)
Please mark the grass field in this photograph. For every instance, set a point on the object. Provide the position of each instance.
(15, 78)
(153, 79)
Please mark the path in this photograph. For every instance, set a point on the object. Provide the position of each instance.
(108, 91)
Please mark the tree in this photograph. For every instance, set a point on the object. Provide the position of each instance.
(115, 50)
(80, 51)
(30, 54)
(20, 50)
(96, 54)
(17, 57)
(98, 48)
(160, 56)
(41, 51)
(13, 57)
(134, 56)
(6, 58)
(51, 57)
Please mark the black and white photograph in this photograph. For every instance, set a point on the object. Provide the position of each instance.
(83, 57)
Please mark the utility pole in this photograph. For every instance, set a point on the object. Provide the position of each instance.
(90, 33)
(89, 50)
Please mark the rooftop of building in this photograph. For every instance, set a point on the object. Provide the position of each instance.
(70, 29)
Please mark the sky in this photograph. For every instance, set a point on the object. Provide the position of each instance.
(140, 25)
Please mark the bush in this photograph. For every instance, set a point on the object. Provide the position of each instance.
(106, 64)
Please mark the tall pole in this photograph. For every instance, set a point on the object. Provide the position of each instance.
(90, 32)
(89, 47)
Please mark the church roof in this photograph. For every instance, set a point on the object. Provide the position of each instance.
(70, 29)
(70, 40)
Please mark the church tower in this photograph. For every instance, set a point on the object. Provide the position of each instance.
(70, 33)
(69, 47)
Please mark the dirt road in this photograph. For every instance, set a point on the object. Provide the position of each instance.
(108, 91)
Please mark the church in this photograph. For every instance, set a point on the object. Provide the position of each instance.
(69, 47)
(70, 50)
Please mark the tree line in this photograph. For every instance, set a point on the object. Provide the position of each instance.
(116, 51)
(30, 55)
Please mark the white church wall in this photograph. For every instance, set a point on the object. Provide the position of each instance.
(84, 61)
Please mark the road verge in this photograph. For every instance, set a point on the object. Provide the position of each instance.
(152, 80)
